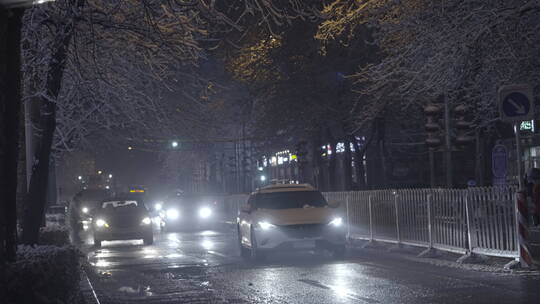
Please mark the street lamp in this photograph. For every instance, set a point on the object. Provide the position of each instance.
(174, 144)
(110, 175)
(79, 177)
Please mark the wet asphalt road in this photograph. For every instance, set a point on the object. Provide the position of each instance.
(205, 267)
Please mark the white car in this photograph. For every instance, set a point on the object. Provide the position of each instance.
(289, 217)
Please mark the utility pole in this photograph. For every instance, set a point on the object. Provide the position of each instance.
(431, 168)
(479, 170)
(433, 140)
(448, 143)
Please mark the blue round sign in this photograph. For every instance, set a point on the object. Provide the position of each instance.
(516, 104)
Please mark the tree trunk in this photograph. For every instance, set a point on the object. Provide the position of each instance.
(479, 160)
(381, 126)
(332, 164)
(347, 167)
(359, 165)
(11, 108)
(318, 172)
(37, 191)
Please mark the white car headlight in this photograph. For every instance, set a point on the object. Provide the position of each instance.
(205, 212)
(84, 210)
(146, 221)
(158, 206)
(337, 222)
(266, 225)
(101, 223)
(172, 214)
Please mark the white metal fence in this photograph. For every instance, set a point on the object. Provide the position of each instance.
(475, 220)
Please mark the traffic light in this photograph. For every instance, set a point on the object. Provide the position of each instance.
(462, 126)
(432, 126)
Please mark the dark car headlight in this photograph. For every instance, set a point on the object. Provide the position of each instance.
(205, 212)
(172, 214)
(101, 223)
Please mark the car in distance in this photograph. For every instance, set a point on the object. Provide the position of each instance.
(122, 219)
(189, 211)
(289, 217)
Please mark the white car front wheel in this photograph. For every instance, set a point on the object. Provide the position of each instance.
(256, 254)
(244, 252)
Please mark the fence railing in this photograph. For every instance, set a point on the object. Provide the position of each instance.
(474, 220)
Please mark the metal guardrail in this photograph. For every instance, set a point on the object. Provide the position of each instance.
(474, 220)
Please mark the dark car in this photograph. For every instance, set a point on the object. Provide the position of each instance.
(190, 211)
(122, 219)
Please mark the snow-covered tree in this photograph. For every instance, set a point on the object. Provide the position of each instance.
(100, 65)
(462, 50)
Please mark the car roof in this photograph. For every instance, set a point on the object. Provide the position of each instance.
(285, 188)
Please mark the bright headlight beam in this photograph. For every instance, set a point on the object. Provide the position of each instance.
(101, 223)
(205, 212)
(266, 225)
(146, 221)
(336, 222)
(172, 214)
(84, 210)
(158, 206)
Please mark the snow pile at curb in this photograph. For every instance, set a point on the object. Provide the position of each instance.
(42, 274)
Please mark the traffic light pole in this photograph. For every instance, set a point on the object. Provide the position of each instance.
(448, 143)
(431, 168)
(518, 155)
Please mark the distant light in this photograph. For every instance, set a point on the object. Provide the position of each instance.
(107, 187)
(263, 178)
(130, 148)
(174, 144)
(110, 175)
(99, 172)
(158, 206)
(136, 191)
(261, 168)
(79, 177)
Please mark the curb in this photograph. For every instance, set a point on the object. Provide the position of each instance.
(87, 290)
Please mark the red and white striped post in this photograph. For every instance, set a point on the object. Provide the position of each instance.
(525, 258)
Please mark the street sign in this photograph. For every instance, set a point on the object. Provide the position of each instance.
(516, 103)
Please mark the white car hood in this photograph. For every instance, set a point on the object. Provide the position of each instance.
(297, 216)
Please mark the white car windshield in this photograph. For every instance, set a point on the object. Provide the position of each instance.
(290, 200)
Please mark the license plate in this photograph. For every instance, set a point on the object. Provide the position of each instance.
(304, 244)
